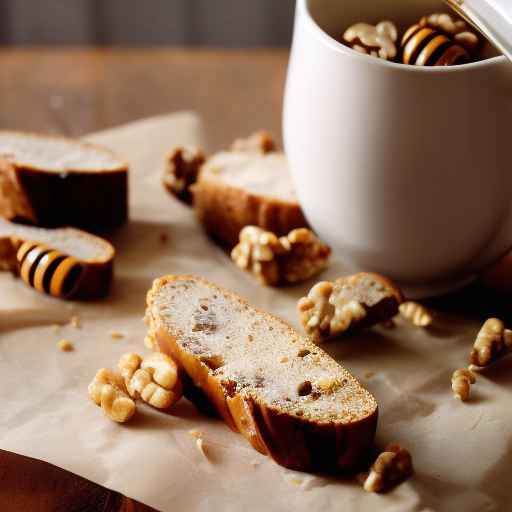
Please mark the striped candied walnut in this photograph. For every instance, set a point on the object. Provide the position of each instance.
(273, 261)
(357, 301)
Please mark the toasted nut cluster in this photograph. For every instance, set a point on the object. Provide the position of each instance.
(154, 379)
(363, 299)
(259, 142)
(492, 343)
(109, 392)
(377, 41)
(417, 314)
(273, 260)
(393, 466)
(257, 252)
(182, 170)
(461, 383)
(65, 345)
(457, 28)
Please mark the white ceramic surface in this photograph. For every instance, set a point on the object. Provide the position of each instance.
(403, 170)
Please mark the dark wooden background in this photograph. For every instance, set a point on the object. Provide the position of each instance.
(221, 23)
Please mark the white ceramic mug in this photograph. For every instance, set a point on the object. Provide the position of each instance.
(404, 170)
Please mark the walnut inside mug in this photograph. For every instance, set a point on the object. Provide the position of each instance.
(377, 41)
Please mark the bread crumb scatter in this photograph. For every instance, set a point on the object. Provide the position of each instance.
(461, 383)
(196, 434)
(493, 342)
(75, 322)
(117, 335)
(416, 313)
(65, 345)
(392, 467)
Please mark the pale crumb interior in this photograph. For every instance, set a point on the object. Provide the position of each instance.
(54, 154)
(266, 175)
(66, 240)
(259, 355)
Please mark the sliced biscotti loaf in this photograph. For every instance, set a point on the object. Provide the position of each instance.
(55, 181)
(241, 188)
(65, 262)
(283, 393)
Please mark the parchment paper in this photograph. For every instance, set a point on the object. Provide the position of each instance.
(461, 452)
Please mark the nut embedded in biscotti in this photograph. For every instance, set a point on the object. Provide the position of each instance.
(493, 342)
(182, 170)
(289, 259)
(377, 41)
(259, 142)
(108, 391)
(154, 379)
(416, 313)
(439, 40)
(462, 380)
(361, 300)
(392, 467)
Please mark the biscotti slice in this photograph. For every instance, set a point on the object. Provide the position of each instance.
(283, 393)
(54, 181)
(65, 262)
(246, 188)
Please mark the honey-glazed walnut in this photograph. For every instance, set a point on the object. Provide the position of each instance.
(392, 467)
(377, 41)
(462, 380)
(259, 142)
(416, 313)
(182, 170)
(108, 391)
(153, 379)
(288, 259)
(356, 301)
(306, 255)
(257, 252)
(493, 342)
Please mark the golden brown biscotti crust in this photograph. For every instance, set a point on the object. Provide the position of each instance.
(295, 442)
(224, 210)
(92, 200)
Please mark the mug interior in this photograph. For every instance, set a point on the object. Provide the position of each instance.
(335, 16)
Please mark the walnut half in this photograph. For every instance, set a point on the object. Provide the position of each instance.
(273, 261)
(493, 342)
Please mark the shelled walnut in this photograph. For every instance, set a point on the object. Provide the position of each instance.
(377, 41)
(360, 300)
(290, 259)
(154, 379)
(461, 383)
(108, 391)
(493, 342)
(182, 170)
(416, 313)
(258, 142)
(392, 467)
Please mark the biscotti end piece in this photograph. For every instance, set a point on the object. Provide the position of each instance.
(64, 262)
(55, 181)
(241, 188)
(351, 302)
(283, 393)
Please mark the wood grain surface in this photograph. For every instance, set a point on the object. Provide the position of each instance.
(74, 92)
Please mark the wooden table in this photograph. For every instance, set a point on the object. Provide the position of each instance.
(75, 92)
(80, 91)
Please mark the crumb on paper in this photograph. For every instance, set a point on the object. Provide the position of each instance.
(296, 481)
(196, 434)
(65, 345)
(75, 322)
(117, 335)
(369, 375)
